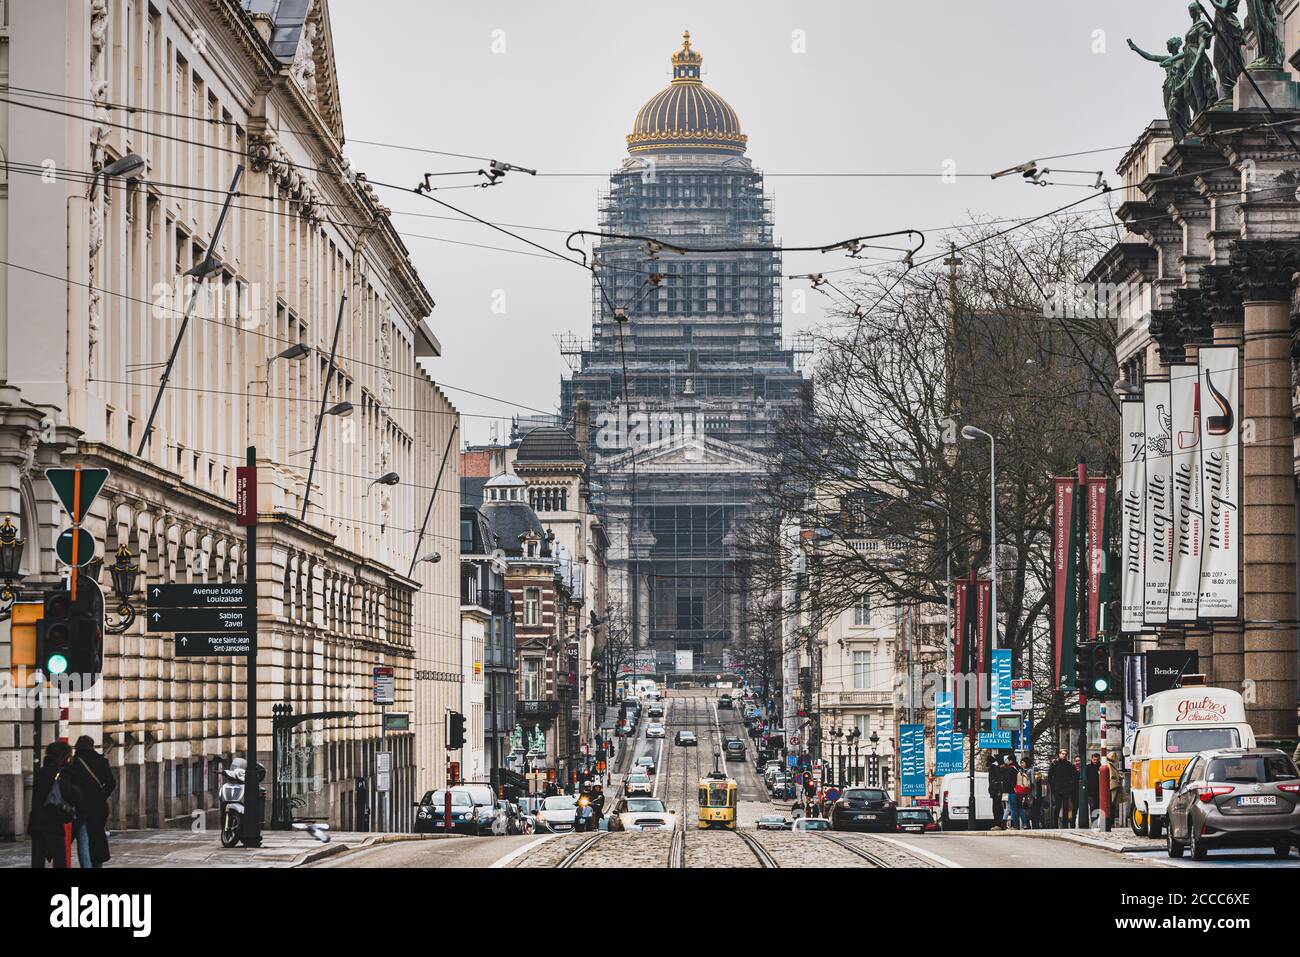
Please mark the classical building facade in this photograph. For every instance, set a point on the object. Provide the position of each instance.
(685, 373)
(1211, 216)
(90, 310)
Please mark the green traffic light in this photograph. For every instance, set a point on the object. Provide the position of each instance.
(56, 665)
(1101, 685)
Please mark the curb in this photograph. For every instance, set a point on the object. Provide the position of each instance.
(331, 850)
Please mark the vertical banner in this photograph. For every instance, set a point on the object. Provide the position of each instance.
(1098, 534)
(1159, 505)
(1064, 625)
(961, 650)
(948, 749)
(912, 759)
(1133, 584)
(983, 616)
(1001, 680)
(1189, 525)
(1219, 595)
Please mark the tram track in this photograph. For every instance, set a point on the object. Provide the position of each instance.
(765, 859)
(854, 849)
(572, 857)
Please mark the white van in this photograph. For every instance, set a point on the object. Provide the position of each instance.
(954, 790)
(1174, 726)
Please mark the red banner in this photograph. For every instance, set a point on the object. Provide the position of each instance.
(1097, 489)
(1063, 624)
(959, 605)
(983, 616)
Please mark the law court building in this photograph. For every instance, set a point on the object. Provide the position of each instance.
(106, 214)
(686, 371)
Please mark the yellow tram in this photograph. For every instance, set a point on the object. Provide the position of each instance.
(717, 801)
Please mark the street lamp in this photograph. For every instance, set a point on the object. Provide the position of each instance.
(11, 557)
(123, 573)
(970, 432)
(875, 760)
(388, 478)
(128, 164)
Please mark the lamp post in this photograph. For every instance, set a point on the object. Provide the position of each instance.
(970, 432)
(11, 557)
(874, 779)
(947, 587)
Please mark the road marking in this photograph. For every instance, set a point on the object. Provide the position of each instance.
(913, 849)
(520, 851)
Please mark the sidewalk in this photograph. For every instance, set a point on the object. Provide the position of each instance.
(1119, 840)
(177, 848)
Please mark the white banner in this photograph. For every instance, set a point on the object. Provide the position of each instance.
(1220, 486)
(1189, 525)
(1133, 450)
(1159, 505)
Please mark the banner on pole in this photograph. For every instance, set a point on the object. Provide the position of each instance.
(1133, 582)
(1159, 504)
(1189, 526)
(961, 647)
(1064, 628)
(1220, 434)
(983, 642)
(1098, 556)
(912, 759)
(949, 750)
(1001, 680)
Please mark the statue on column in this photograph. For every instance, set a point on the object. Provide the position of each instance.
(1175, 98)
(1263, 22)
(1198, 75)
(1229, 39)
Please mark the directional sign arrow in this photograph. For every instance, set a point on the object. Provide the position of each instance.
(199, 619)
(216, 595)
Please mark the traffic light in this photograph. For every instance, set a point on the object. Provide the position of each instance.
(455, 731)
(54, 635)
(1100, 678)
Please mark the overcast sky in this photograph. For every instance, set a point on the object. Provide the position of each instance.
(821, 87)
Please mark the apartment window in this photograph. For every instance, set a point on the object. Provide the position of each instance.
(532, 606)
(531, 683)
(861, 670)
(862, 611)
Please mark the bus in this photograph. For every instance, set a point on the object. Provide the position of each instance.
(717, 801)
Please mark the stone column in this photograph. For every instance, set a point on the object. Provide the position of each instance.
(1264, 271)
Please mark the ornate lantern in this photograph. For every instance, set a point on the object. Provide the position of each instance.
(11, 557)
(124, 573)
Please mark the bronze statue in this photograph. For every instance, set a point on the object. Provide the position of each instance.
(1198, 73)
(1263, 22)
(1229, 40)
(1175, 99)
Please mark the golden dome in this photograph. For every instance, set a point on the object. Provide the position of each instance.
(686, 115)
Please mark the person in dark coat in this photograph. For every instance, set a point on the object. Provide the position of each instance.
(46, 821)
(94, 778)
(1093, 783)
(996, 790)
(1063, 782)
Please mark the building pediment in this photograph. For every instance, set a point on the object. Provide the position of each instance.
(689, 452)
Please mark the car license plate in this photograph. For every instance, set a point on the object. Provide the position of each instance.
(1260, 800)
(866, 817)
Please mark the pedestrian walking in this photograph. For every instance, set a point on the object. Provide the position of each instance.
(995, 792)
(91, 773)
(54, 803)
(1062, 783)
(1115, 781)
(1092, 784)
(1022, 786)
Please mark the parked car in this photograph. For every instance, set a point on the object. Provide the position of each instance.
(642, 814)
(811, 824)
(772, 822)
(431, 810)
(654, 730)
(556, 814)
(776, 785)
(1234, 797)
(647, 763)
(915, 820)
(638, 783)
(686, 739)
(863, 809)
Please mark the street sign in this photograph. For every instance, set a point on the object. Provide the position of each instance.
(198, 619)
(85, 546)
(1008, 722)
(77, 493)
(397, 721)
(383, 770)
(385, 688)
(246, 495)
(1022, 694)
(226, 643)
(197, 596)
